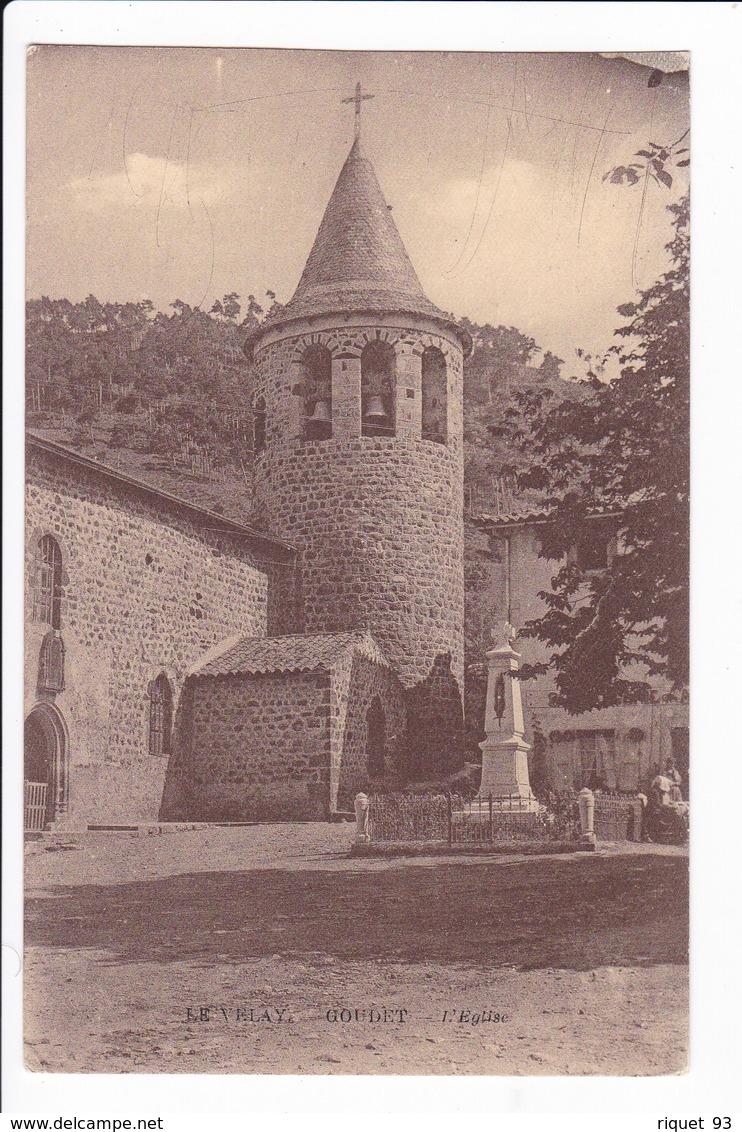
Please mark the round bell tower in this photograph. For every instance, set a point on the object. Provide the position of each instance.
(357, 397)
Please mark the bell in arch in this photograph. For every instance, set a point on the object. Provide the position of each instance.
(321, 412)
(375, 410)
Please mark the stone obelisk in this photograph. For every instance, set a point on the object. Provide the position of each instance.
(504, 751)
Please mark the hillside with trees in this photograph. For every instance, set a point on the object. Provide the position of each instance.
(159, 396)
(165, 395)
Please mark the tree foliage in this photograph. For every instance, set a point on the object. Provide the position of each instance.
(502, 363)
(620, 453)
(153, 377)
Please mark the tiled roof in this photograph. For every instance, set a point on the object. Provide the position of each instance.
(358, 261)
(528, 517)
(511, 518)
(302, 652)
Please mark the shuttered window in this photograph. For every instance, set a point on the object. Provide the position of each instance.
(48, 590)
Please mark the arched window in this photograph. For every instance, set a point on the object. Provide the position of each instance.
(258, 425)
(160, 715)
(378, 381)
(316, 364)
(48, 589)
(51, 663)
(434, 393)
(375, 738)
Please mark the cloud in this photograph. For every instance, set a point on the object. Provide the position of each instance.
(554, 255)
(180, 185)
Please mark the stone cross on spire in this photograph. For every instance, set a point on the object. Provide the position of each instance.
(358, 98)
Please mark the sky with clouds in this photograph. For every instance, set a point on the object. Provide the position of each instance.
(186, 173)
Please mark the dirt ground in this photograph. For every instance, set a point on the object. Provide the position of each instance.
(267, 949)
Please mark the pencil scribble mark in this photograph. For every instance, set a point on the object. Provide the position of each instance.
(427, 96)
(123, 141)
(164, 174)
(465, 244)
(213, 255)
(590, 174)
(262, 97)
(640, 217)
(188, 164)
(557, 165)
(97, 149)
(525, 105)
(577, 135)
(499, 175)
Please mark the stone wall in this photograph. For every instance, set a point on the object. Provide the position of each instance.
(147, 588)
(378, 521)
(257, 746)
(281, 745)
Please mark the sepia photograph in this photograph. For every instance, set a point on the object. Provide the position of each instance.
(356, 707)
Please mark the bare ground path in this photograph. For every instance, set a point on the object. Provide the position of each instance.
(225, 949)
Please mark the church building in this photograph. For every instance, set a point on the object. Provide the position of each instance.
(181, 666)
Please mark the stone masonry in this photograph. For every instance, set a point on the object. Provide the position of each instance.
(378, 520)
(258, 745)
(290, 743)
(148, 586)
(374, 501)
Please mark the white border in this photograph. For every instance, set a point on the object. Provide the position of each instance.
(712, 33)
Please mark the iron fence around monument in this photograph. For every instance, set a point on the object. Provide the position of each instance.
(455, 820)
(618, 818)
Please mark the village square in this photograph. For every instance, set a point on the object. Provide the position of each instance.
(356, 728)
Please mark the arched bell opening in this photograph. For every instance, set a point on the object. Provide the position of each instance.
(316, 380)
(378, 383)
(434, 396)
(46, 767)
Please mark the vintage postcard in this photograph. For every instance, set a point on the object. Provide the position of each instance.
(356, 562)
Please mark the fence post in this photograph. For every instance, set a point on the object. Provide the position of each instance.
(586, 803)
(361, 807)
(491, 827)
(449, 800)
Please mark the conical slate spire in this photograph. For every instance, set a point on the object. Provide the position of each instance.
(358, 261)
(358, 244)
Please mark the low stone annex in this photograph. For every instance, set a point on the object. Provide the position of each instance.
(291, 725)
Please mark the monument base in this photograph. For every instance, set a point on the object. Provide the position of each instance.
(505, 777)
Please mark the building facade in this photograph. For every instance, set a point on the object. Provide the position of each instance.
(617, 749)
(126, 587)
(291, 726)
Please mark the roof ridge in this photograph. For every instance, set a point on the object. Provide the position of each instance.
(291, 652)
(35, 440)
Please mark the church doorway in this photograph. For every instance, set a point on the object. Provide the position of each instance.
(45, 767)
(375, 738)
